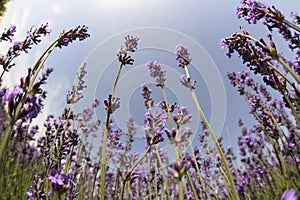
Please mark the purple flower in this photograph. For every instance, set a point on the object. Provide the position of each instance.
(178, 169)
(156, 72)
(187, 82)
(289, 195)
(252, 11)
(131, 43)
(80, 33)
(111, 104)
(60, 182)
(182, 116)
(182, 55)
(147, 96)
(8, 34)
(33, 37)
(154, 125)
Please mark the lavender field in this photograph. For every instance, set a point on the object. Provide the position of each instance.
(79, 155)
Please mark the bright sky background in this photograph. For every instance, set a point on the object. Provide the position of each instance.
(204, 21)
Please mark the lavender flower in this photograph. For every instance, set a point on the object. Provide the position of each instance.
(130, 45)
(182, 55)
(33, 37)
(170, 108)
(111, 104)
(252, 11)
(147, 96)
(154, 125)
(289, 195)
(178, 169)
(157, 73)
(182, 116)
(75, 94)
(65, 38)
(60, 182)
(187, 82)
(8, 34)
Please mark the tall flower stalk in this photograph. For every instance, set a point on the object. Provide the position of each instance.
(183, 57)
(130, 45)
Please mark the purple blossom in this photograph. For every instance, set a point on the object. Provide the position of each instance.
(111, 104)
(156, 72)
(187, 82)
(130, 45)
(182, 116)
(147, 96)
(178, 169)
(289, 195)
(60, 182)
(65, 38)
(8, 34)
(182, 55)
(33, 37)
(252, 11)
(154, 125)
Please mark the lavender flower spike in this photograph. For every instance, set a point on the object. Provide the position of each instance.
(60, 182)
(182, 55)
(156, 72)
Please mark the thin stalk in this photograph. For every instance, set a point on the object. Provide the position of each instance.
(141, 158)
(132, 168)
(116, 80)
(180, 189)
(293, 26)
(123, 190)
(105, 135)
(192, 186)
(197, 169)
(228, 172)
(288, 67)
(163, 172)
(103, 157)
(148, 181)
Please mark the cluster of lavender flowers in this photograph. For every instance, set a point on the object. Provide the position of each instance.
(77, 156)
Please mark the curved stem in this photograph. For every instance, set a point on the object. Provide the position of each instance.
(224, 161)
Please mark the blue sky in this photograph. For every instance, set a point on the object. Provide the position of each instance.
(205, 22)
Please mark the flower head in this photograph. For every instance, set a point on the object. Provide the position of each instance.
(178, 169)
(182, 55)
(8, 34)
(156, 72)
(289, 195)
(187, 82)
(130, 44)
(80, 33)
(60, 182)
(182, 116)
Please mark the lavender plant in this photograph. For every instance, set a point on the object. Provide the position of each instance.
(63, 159)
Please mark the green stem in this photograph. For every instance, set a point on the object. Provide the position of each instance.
(197, 169)
(103, 157)
(116, 80)
(288, 67)
(290, 24)
(123, 189)
(163, 172)
(180, 189)
(224, 161)
(141, 158)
